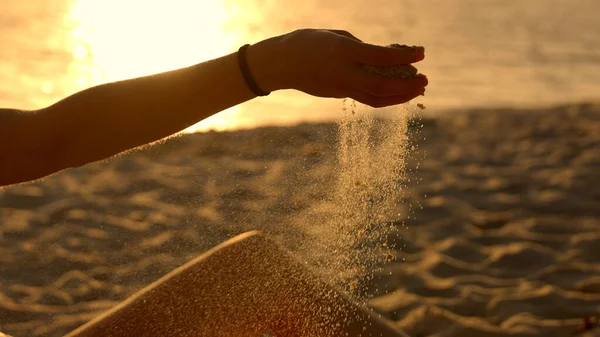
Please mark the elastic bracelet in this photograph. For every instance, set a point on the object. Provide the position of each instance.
(243, 63)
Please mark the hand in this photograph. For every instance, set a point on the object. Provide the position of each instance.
(329, 63)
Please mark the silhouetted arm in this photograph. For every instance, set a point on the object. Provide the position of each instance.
(102, 121)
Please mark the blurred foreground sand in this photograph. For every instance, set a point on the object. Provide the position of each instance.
(500, 229)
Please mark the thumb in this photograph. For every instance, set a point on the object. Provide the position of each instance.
(385, 56)
(345, 33)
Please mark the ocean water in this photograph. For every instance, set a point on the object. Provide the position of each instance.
(516, 53)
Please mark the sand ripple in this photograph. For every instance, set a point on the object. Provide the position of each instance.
(501, 234)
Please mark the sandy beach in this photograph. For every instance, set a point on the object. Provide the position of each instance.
(497, 233)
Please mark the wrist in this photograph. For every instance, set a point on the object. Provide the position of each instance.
(268, 64)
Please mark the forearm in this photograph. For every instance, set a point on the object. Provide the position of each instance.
(102, 121)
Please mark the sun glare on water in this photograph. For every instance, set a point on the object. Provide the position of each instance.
(119, 39)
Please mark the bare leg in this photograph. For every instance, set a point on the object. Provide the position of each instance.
(244, 287)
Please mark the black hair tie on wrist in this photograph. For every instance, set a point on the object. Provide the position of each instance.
(243, 63)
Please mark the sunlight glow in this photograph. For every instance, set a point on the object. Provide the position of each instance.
(119, 39)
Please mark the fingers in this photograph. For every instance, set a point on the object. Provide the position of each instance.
(378, 85)
(383, 56)
(381, 101)
(345, 33)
